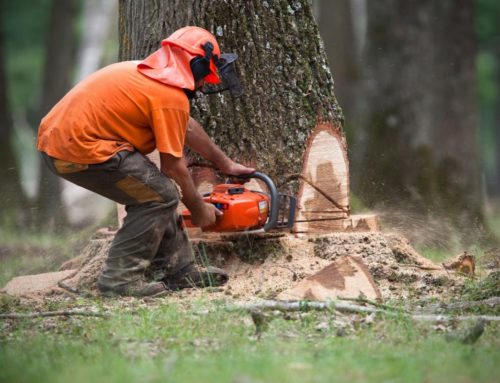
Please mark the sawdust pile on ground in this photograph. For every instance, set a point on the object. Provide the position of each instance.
(264, 266)
(398, 270)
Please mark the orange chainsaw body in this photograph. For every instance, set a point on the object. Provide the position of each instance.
(242, 209)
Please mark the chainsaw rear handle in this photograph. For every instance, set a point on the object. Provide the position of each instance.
(272, 222)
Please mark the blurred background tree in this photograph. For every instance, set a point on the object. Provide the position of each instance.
(418, 81)
(48, 45)
(410, 77)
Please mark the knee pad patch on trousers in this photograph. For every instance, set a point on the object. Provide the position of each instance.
(137, 190)
(66, 167)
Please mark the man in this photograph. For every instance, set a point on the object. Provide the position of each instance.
(97, 137)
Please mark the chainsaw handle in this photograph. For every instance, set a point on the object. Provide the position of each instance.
(274, 208)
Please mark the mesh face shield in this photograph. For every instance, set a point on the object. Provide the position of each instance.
(229, 78)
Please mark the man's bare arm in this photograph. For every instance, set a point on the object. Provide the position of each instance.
(202, 214)
(199, 141)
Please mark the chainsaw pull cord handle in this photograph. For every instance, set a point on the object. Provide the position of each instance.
(274, 208)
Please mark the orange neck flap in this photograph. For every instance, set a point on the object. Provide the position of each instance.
(169, 65)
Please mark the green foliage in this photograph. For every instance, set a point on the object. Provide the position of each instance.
(25, 28)
(488, 73)
(487, 16)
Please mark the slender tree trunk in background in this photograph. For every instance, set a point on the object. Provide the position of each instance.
(421, 126)
(289, 102)
(12, 199)
(59, 63)
(336, 19)
(494, 186)
(98, 17)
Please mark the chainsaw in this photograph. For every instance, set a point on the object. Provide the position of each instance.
(248, 210)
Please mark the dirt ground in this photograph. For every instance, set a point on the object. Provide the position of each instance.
(263, 266)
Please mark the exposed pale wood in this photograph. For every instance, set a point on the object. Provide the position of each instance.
(346, 277)
(362, 222)
(325, 167)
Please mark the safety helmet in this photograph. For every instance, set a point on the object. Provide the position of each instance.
(191, 54)
(203, 45)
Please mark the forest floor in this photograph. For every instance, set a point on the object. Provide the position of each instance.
(167, 340)
(193, 336)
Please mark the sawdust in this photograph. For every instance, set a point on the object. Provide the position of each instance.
(32, 284)
(263, 266)
(398, 270)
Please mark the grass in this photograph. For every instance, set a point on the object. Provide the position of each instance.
(201, 342)
(166, 340)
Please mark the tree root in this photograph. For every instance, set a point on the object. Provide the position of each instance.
(65, 313)
(350, 308)
(490, 303)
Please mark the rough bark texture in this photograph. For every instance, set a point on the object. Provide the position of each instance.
(289, 88)
(420, 131)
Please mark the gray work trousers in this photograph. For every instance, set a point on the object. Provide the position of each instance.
(151, 244)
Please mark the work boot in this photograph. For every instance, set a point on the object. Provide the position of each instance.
(138, 288)
(196, 276)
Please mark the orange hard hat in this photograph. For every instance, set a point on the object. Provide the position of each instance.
(193, 39)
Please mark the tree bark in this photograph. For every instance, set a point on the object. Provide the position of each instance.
(12, 195)
(59, 62)
(420, 147)
(289, 103)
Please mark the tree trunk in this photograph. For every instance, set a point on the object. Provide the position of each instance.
(288, 123)
(59, 62)
(494, 176)
(12, 195)
(98, 17)
(420, 131)
(337, 22)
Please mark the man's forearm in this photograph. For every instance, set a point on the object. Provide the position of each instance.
(176, 169)
(199, 141)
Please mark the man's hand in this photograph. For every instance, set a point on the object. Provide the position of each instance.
(206, 216)
(202, 214)
(232, 168)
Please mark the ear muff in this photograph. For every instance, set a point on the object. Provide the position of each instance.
(200, 66)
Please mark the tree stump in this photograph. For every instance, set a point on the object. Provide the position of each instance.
(273, 265)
